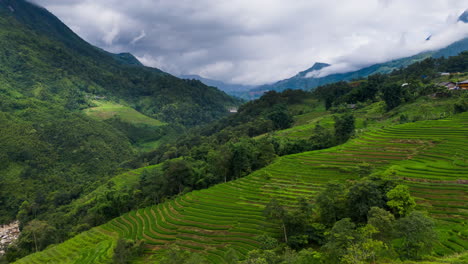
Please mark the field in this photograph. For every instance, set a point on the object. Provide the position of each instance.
(370, 117)
(429, 156)
(106, 110)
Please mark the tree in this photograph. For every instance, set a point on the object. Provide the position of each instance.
(340, 238)
(364, 248)
(346, 244)
(417, 235)
(281, 119)
(331, 204)
(219, 162)
(231, 256)
(179, 175)
(175, 255)
(321, 138)
(37, 235)
(262, 257)
(392, 95)
(308, 256)
(297, 224)
(400, 200)
(276, 212)
(361, 197)
(126, 250)
(344, 127)
(154, 185)
(243, 153)
(383, 221)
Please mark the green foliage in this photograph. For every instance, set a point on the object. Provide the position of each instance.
(127, 250)
(383, 221)
(340, 238)
(281, 119)
(37, 235)
(331, 203)
(175, 255)
(344, 127)
(365, 249)
(392, 95)
(400, 200)
(417, 235)
(364, 195)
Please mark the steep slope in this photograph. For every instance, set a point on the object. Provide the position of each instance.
(38, 48)
(51, 152)
(427, 156)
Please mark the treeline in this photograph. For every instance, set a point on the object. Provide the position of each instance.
(401, 86)
(359, 222)
(372, 220)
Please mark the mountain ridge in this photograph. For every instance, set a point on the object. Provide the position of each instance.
(307, 83)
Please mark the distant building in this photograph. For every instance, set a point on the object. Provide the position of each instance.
(232, 110)
(463, 85)
(448, 85)
(445, 74)
(405, 84)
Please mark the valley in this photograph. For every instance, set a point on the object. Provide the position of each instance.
(106, 160)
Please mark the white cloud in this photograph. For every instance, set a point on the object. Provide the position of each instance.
(140, 37)
(259, 41)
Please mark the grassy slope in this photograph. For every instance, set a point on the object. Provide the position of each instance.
(429, 156)
(106, 109)
(371, 116)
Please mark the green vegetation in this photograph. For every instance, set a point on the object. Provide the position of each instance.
(230, 215)
(364, 158)
(105, 110)
(51, 152)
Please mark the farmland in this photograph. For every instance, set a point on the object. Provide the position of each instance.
(429, 156)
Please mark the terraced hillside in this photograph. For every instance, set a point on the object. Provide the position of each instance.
(430, 156)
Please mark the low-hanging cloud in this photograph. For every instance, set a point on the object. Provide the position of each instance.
(261, 41)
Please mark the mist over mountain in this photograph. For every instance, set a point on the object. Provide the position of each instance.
(237, 90)
(464, 17)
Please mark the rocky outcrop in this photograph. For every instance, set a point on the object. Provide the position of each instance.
(8, 234)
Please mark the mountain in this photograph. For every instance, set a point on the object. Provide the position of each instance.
(464, 17)
(72, 115)
(231, 89)
(50, 47)
(127, 58)
(302, 81)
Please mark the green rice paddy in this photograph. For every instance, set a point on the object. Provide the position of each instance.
(429, 156)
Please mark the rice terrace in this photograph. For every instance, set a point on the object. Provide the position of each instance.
(428, 156)
(233, 132)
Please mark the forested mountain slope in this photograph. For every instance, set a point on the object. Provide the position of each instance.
(41, 57)
(51, 151)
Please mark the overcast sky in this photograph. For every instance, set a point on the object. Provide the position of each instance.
(261, 41)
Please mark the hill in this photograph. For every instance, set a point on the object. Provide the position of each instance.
(237, 90)
(39, 48)
(72, 114)
(425, 155)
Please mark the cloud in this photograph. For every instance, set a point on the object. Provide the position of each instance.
(141, 36)
(261, 41)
